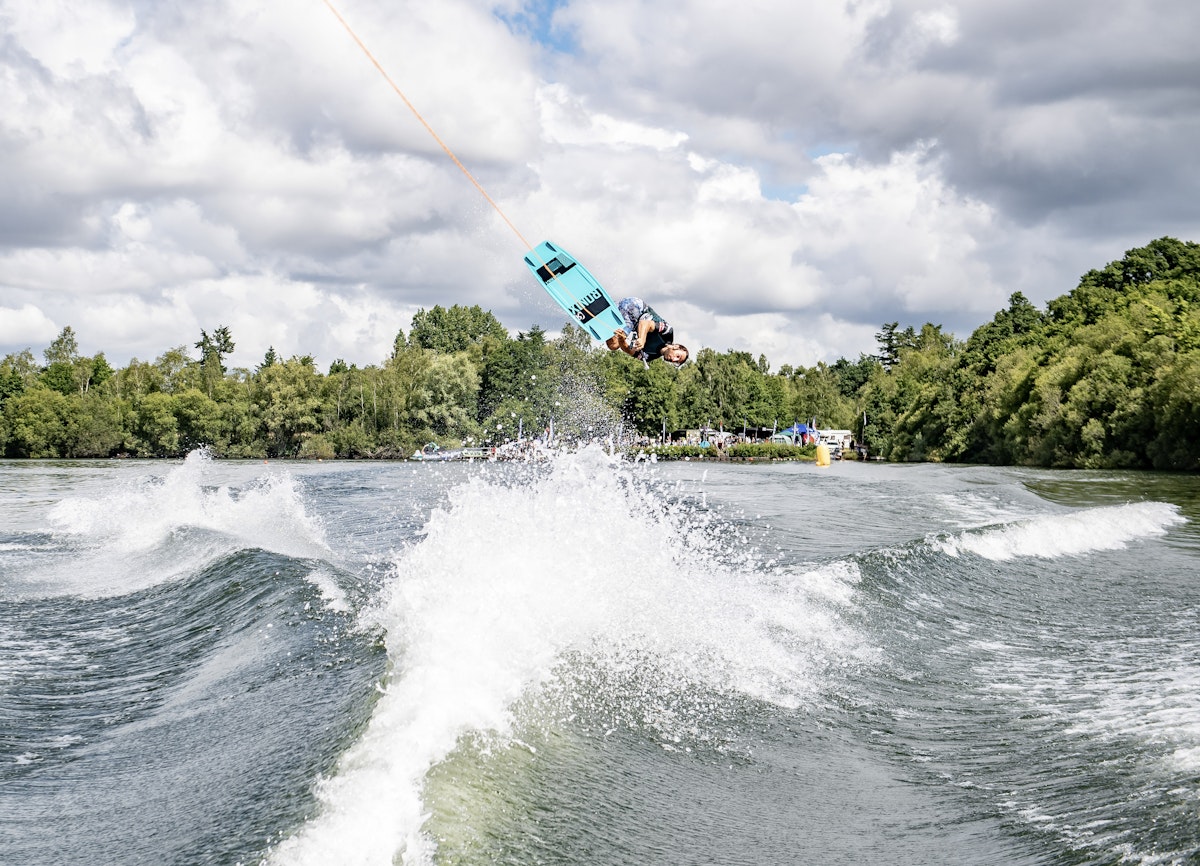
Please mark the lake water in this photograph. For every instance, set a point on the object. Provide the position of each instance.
(589, 661)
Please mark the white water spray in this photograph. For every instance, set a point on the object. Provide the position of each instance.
(507, 579)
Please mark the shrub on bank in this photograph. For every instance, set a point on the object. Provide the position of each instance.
(771, 451)
(678, 452)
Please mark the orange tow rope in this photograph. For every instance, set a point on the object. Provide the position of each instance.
(417, 114)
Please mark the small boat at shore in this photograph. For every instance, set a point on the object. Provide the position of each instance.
(432, 452)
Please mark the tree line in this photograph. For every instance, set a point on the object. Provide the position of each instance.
(1108, 375)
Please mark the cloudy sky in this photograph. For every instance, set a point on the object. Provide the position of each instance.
(777, 176)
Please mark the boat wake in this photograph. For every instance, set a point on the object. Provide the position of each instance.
(159, 528)
(1073, 534)
(589, 584)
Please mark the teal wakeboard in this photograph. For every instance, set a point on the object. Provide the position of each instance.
(575, 290)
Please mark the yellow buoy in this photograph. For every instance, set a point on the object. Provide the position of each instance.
(822, 455)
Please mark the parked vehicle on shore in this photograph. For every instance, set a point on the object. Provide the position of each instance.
(842, 439)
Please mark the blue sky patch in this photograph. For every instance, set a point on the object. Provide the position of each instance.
(535, 21)
(787, 192)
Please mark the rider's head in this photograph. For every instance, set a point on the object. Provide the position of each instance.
(675, 353)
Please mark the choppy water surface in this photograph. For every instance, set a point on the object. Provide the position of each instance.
(589, 661)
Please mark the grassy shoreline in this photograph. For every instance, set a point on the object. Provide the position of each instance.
(741, 453)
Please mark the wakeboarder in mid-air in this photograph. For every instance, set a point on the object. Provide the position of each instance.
(646, 334)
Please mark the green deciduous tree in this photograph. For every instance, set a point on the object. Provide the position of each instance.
(103, 426)
(446, 399)
(455, 329)
(200, 421)
(289, 397)
(1174, 399)
(510, 370)
(41, 422)
(64, 349)
(175, 371)
(155, 426)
